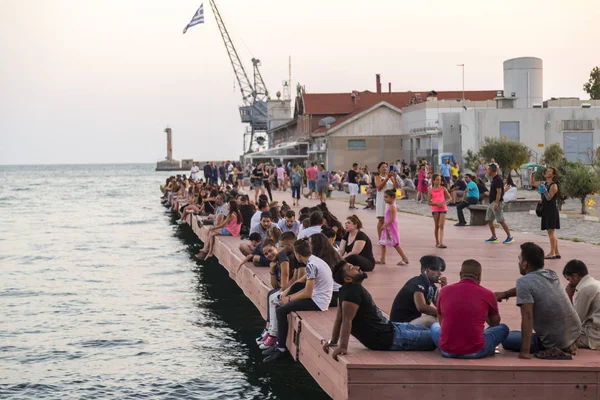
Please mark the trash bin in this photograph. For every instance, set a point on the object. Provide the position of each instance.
(525, 172)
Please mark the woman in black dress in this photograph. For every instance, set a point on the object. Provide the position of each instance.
(550, 216)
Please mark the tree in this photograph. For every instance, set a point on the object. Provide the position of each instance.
(509, 154)
(472, 161)
(580, 181)
(592, 87)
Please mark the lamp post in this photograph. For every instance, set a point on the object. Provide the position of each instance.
(463, 83)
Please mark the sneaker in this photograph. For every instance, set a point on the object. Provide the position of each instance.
(492, 240)
(276, 354)
(262, 336)
(271, 349)
(268, 342)
(509, 240)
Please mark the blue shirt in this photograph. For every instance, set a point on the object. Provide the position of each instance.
(445, 169)
(473, 190)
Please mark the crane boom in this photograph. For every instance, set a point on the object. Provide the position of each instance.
(248, 92)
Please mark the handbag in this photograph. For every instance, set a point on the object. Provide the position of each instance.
(539, 209)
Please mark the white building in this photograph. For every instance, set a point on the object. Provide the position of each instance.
(435, 127)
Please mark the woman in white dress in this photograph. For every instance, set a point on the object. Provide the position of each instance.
(384, 181)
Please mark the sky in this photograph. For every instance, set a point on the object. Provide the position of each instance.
(98, 81)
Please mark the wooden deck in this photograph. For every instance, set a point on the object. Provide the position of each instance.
(365, 374)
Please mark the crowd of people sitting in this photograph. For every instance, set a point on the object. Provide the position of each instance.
(316, 262)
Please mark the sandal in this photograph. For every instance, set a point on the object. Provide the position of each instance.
(550, 258)
(402, 262)
(553, 353)
(379, 262)
(442, 246)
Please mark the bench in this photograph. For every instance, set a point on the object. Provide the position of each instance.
(406, 192)
(521, 205)
(478, 212)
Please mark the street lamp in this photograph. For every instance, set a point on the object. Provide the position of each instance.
(463, 83)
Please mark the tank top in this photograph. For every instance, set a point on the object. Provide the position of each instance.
(437, 196)
(234, 226)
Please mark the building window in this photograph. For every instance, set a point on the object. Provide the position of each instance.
(357, 144)
(510, 131)
(578, 146)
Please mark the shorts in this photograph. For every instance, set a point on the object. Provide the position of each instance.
(353, 189)
(322, 189)
(257, 182)
(492, 214)
(438, 213)
(225, 232)
(312, 185)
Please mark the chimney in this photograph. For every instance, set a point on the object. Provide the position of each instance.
(390, 87)
(378, 83)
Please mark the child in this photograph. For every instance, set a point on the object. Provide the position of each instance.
(389, 234)
(438, 199)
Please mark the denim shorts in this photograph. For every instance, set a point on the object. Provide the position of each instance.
(312, 185)
(257, 182)
(225, 232)
(438, 213)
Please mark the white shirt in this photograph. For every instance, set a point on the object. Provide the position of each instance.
(195, 171)
(311, 230)
(230, 168)
(318, 270)
(255, 219)
(510, 194)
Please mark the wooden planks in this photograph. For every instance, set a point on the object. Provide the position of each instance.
(384, 375)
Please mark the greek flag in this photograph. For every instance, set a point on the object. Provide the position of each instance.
(198, 18)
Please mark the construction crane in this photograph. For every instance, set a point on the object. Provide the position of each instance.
(254, 94)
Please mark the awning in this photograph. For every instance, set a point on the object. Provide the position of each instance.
(285, 151)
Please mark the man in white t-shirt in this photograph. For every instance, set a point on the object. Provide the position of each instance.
(315, 296)
(316, 221)
(262, 207)
(195, 170)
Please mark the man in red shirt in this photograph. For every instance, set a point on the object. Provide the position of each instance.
(463, 308)
(311, 177)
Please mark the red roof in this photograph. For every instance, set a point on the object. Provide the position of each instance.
(341, 103)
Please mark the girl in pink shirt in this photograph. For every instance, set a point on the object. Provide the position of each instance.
(438, 199)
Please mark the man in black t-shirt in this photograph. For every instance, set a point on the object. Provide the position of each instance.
(247, 210)
(413, 303)
(494, 210)
(358, 311)
(353, 185)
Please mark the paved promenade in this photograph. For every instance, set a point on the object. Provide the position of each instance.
(572, 227)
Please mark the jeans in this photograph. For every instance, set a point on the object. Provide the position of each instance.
(282, 314)
(408, 337)
(461, 206)
(296, 192)
(493, 335)
(271, 292)
(513, 342)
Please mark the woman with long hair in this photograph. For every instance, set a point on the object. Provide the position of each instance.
(267, 180)
(386, 180)
(322, 248)
(356, 247)
(257, 180)
(231, 226)
(438, 198)
(549, 191)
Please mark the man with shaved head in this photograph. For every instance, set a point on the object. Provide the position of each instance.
(463, 309)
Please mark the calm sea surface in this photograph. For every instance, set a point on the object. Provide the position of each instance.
(100, 297)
